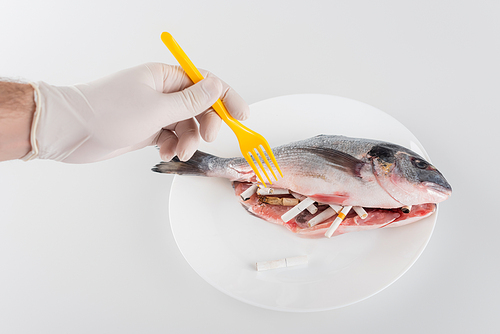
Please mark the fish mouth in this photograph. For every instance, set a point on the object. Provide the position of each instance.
(442, 190)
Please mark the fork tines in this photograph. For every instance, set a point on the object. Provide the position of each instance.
(262, 153)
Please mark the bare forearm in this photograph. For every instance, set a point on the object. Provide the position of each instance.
(16, 113)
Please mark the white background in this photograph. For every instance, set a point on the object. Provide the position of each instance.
(88, 249)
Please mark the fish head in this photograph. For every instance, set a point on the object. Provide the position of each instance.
(406, 176)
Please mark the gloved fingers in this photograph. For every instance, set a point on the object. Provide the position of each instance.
(174, 79)
(189, 102)
(167, 142)
(183, 142)
(189, 139)
(234, 103)
(210, 124)
(171, 78)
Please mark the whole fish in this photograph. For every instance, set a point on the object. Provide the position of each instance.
(335, 170)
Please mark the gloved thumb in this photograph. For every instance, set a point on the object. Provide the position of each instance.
(193, 100)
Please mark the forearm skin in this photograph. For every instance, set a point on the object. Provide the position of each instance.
(17, 107)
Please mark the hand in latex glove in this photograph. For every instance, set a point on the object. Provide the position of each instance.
(151, 104)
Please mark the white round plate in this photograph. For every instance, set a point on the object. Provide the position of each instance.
(222, 242)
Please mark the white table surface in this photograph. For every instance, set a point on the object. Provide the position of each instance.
(88, 248)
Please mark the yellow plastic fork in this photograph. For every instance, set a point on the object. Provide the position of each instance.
(251, 143)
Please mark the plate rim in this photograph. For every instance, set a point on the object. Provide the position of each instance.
(434, 216)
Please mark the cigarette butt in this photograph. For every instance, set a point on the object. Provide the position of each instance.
(336, 207)
(327, 213)
(290, 201)
(249, 192)
(360, 211)
(284, 201)
(296, 195)
(297, 209)
(272, 191)
(283, 263)
(296, 261)
(345, 210)
(333, 227)
(268, 265)
(311, 208)
(406, 209)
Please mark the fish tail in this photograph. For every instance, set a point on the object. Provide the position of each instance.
(198, 165)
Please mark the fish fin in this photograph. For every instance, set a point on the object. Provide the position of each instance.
(330, 198)
(197, 165)
(338, 159)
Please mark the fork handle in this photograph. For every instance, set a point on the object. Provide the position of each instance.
(195, 76)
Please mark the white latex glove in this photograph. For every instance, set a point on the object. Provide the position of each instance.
(151, 104)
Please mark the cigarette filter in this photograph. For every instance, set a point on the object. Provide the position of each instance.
(249, 192)
(311, 208)
(297, 209)
(283, 263)
(336, 207)
(272, 191)
(360, 211)
(406, 209)
(345, 210)
(329, 212)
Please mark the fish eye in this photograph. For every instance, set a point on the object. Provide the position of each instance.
(419, 163)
